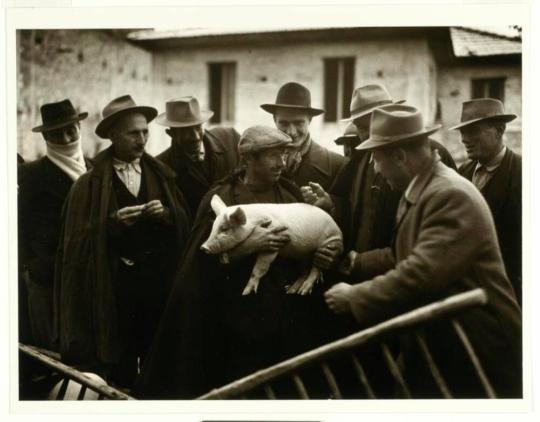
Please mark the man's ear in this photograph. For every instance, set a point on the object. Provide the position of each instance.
(238, 217)
(217, 204)
(400, 155)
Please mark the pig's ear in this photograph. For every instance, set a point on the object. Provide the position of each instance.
(238, 217)
(217, 204)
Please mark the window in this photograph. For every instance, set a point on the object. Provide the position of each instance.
(222, 79)
(488, 88)
(338, 87)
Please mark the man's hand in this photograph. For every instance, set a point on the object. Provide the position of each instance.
(154, 209)
(268, 239)
(337, 298)
(325, 257)
(347, 264)
(127, 216)
(314, 194)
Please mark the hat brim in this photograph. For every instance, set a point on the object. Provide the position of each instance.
(47, 127)
(502, 117)
(271, 108)
(102, 128)
(163, 121)
(344, 139)
(369, 110)
(370, 143)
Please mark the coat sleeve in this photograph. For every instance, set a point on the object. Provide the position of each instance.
(443, 251)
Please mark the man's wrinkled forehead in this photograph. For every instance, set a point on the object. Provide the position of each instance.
(287, 115)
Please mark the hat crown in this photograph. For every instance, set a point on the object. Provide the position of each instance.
(183, 110)
(118, 104)
(256, 138)
(395, 120)
(294, 94)
(369, 96)
(55, 112)
(481, 108)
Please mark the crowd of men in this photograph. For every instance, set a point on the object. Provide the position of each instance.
(112, 276)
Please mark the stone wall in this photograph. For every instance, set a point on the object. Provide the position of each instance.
(89, 67)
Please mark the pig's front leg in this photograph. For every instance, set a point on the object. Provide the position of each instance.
(264, 260)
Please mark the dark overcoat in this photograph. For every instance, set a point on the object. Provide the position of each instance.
(210, 334)
(503, 195)
(221, 157)
(446, 244)
(43, 188)
(319, 165)
(86, 321)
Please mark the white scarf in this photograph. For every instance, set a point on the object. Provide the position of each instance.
(68, 157)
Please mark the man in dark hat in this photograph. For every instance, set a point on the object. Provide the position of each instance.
(445, 244)
(349, 140)
(496, 171)
(210, 333)
(43, 187)
(124, 230)
(307, 161)
(198, 156)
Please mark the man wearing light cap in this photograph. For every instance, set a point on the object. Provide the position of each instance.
(445, 244)
(124, 229)
(199, 157)
(496, 171)
(210, 334)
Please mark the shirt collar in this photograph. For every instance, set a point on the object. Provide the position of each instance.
(122, 165)
(494, 163)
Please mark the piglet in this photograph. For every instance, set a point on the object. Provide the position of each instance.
(309, 228)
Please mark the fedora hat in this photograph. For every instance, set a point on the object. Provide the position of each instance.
(183, 112)
(367, 98)
(56, 115)
(294, 96)
(118, 108)
(393, 124)
(349, 133)
(482, 109)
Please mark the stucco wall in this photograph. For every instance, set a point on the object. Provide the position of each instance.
(454, 87)
(88, 67)
(406, 67)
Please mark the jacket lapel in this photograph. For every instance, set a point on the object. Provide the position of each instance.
(495, 190)
(54, 180)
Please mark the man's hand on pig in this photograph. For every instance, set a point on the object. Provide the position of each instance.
(337, 298)
(268, 239)
(314, 194)
(127, 216)
(326, 256)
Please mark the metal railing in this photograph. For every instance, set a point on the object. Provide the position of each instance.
(264, 381)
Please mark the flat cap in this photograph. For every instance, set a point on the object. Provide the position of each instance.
(257, 138)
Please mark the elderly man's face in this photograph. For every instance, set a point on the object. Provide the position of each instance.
(129, 136)
(189, 140)
(294, 123)
(482, 140)
(267, 165)
(64, 135)
(389, 163)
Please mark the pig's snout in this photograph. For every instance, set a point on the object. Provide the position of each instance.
(205, 248)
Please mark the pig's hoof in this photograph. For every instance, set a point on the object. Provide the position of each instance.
(249, 289)
(306, 290)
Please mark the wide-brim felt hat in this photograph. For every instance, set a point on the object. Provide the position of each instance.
(366, 99)
(119, 107)
(395, 124)
(294, 96)
(57, 115)
(474, 111)
(183, 112)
